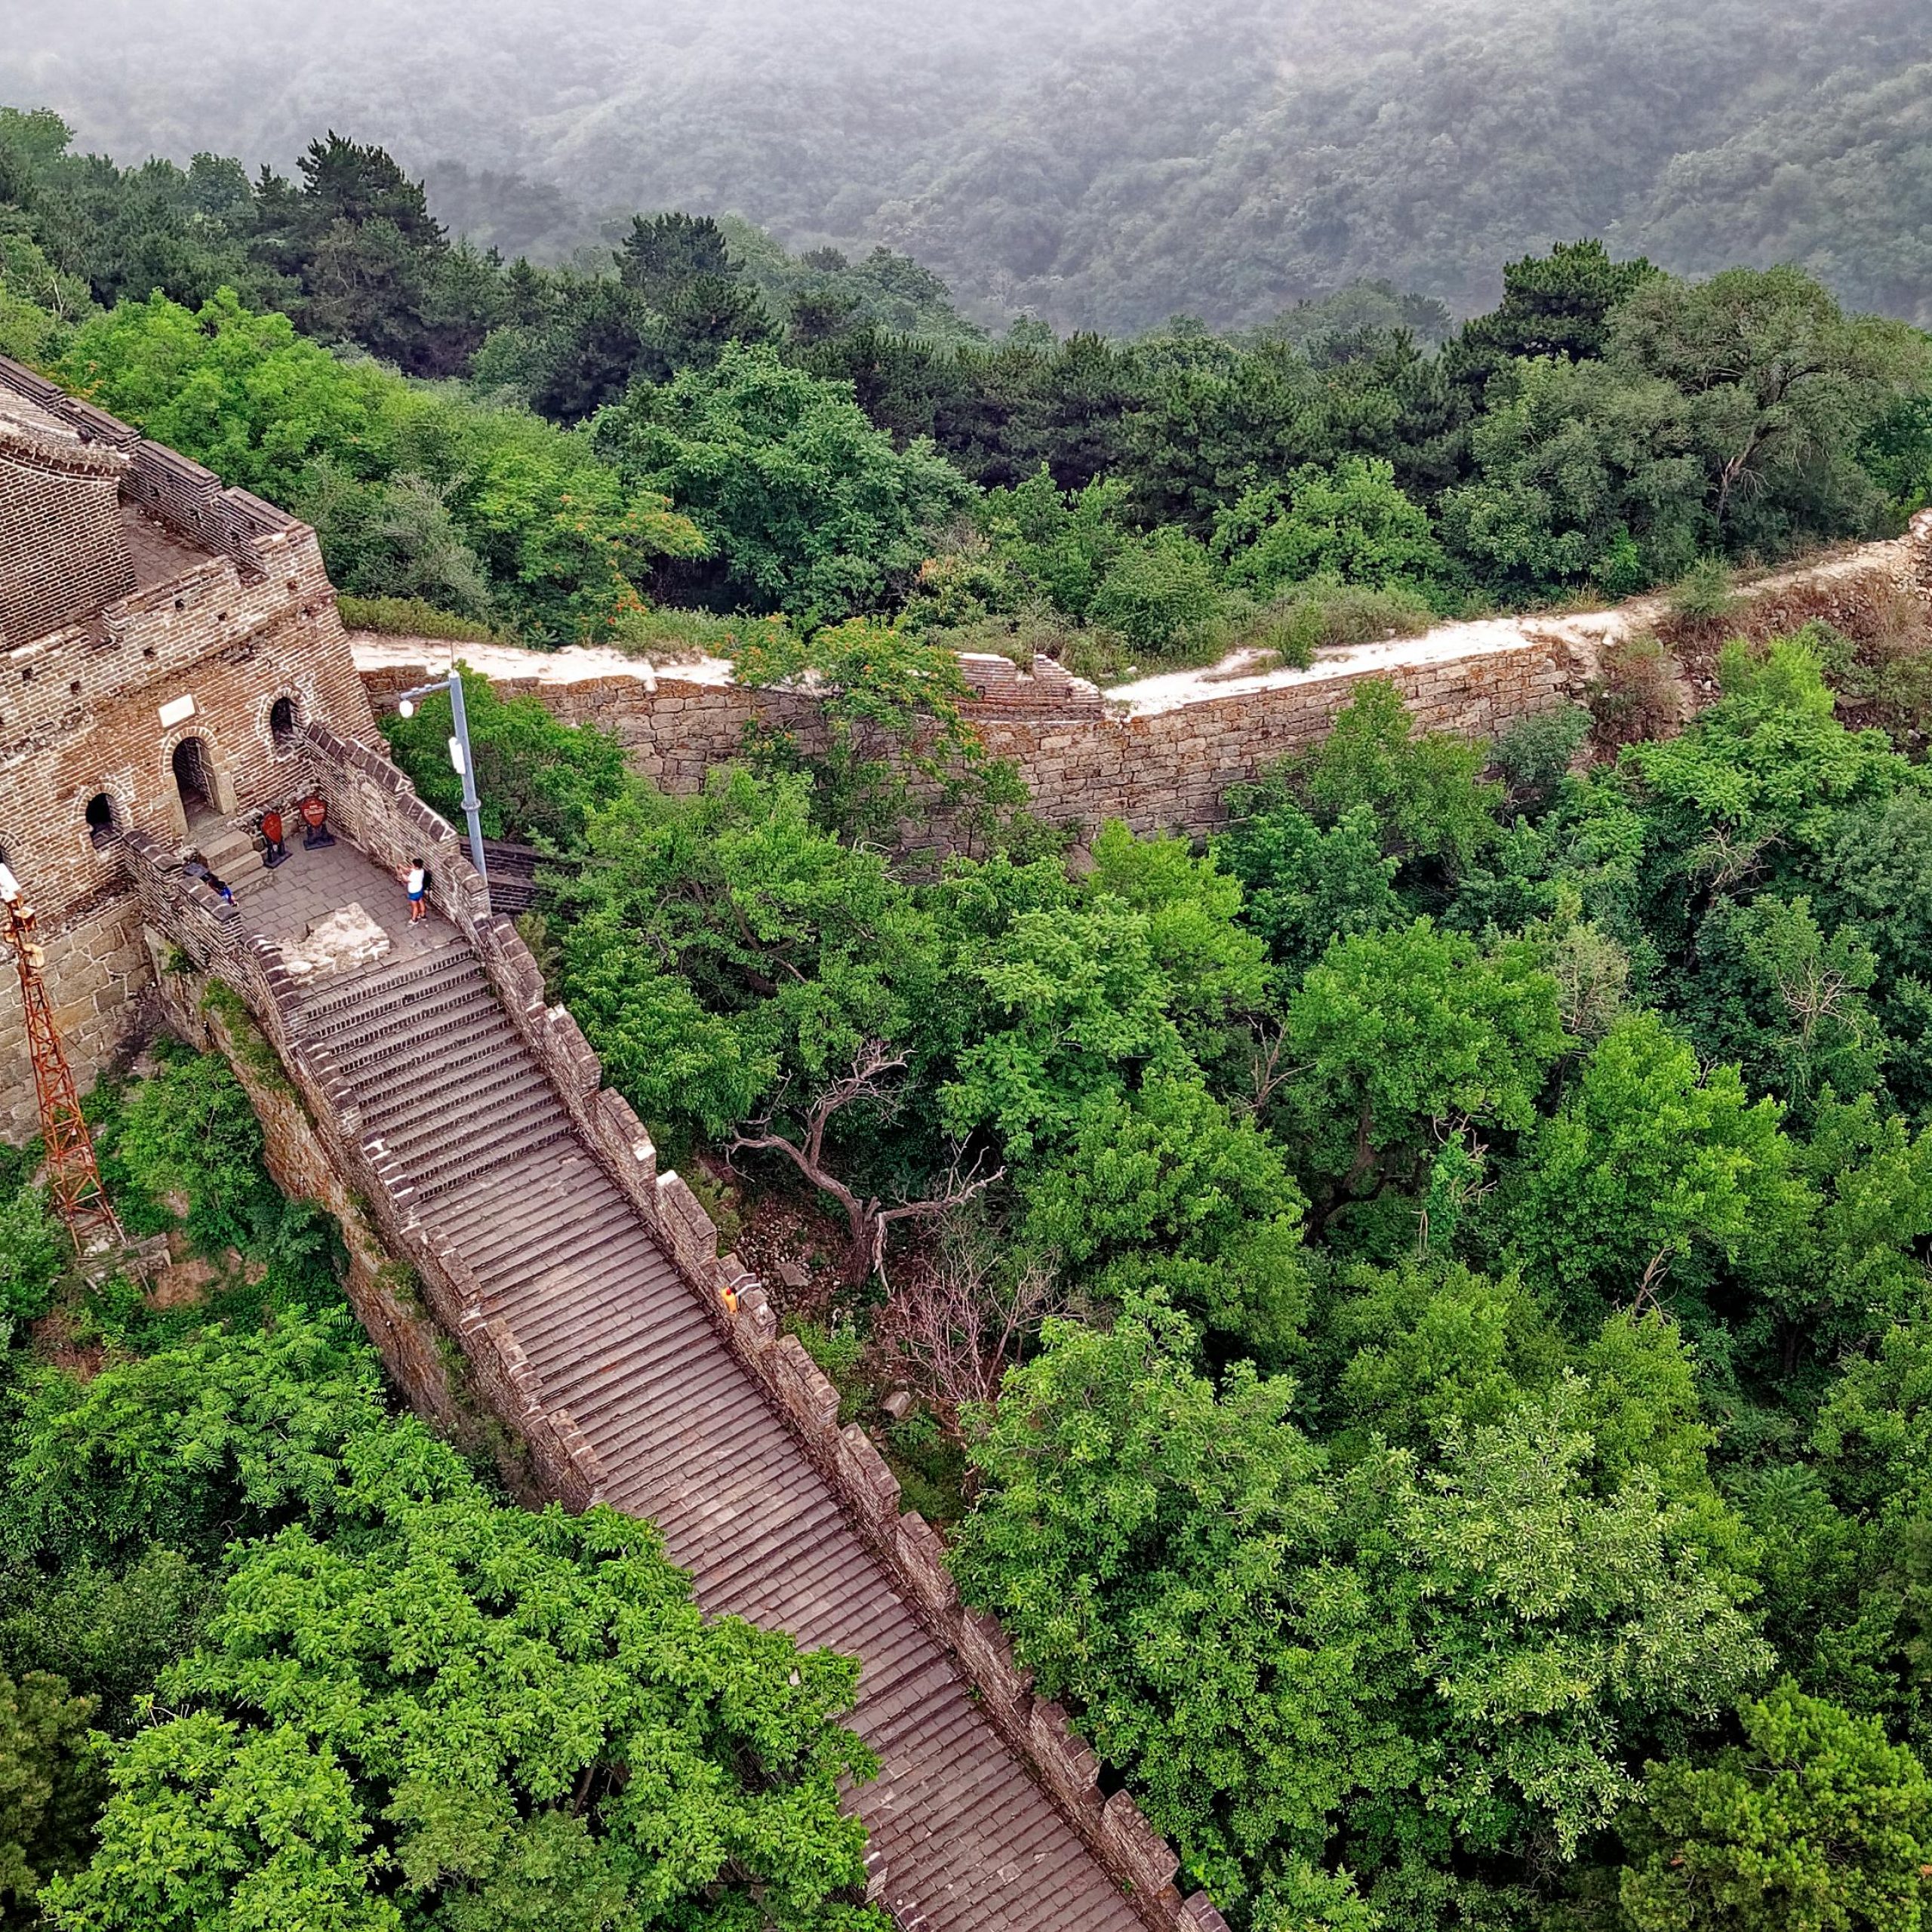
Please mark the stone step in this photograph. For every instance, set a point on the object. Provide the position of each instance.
(457, 1165)
(428, 1007)
(477, 1127)
(451, 961)
(483, 1076)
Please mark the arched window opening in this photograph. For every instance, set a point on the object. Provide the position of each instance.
(101, 827)
(281, 724)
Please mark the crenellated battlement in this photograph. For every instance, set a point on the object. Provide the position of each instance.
(183, 496)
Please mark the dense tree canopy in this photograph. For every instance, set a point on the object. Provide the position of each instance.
(1415, 1308)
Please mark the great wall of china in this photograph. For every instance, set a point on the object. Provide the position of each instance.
(176, 666)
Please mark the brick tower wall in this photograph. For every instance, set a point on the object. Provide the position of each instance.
(225, 609)
(60, 533)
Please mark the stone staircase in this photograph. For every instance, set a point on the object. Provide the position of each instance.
(479, 1149)
(233, 857)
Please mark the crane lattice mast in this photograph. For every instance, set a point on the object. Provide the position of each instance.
(73, 1174)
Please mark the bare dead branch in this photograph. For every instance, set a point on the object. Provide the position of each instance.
(868, 1219)
(959, 1321)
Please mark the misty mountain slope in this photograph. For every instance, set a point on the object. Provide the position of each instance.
(1104, 166)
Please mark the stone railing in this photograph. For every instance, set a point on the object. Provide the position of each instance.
(373, 803)
(211, 936)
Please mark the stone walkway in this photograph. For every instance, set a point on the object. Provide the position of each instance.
(475, 1145)
(308, 886)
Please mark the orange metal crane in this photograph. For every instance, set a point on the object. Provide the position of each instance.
(73, 1174)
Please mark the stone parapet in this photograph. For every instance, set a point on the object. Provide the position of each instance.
(182, 494)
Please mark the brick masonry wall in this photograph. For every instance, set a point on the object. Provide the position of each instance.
(60, 524)
(99, 971)
(1082, 760)
(1086, 759)
(83, 694)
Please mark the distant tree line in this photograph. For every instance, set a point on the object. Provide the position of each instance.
(708, 422)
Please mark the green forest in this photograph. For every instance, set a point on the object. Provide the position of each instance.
(1416, 1306)
(1099, 166)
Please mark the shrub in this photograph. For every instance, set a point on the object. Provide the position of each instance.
(1534, 753)
(1159, 593)
(1634, 695)
(1704, 593)
(31, 1255)
(410, 617)
(1324, 615)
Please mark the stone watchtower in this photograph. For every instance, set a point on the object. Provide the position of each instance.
(162, 639)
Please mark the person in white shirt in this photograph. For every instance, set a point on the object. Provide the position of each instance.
(415, 877)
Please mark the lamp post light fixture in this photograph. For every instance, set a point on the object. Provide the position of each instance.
(461, 761)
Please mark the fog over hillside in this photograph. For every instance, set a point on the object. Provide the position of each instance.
(1103, 166)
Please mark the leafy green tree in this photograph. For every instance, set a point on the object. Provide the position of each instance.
(190, 1131)
(32, 1255)
(1786, 1002)
(1655, 1169)
(1306, 886)
(1815, 1824)
(806, 506)
(186, 1447)
(1580, 477)
(1155, 1547)
(534, 1725)
(1426, 1343)
(1160, 593)
(1162, 1189)
(538, 778)
(48, 1794)
(1423, 787)
(1058, 548)
(1386, 1667)
(716, 946)
(1557, 305)
(1402, 1035)
(1353, 523)
(1215, 964)
(1780, 387)
(1072, 1005)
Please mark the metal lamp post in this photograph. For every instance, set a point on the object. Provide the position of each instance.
(460, 760)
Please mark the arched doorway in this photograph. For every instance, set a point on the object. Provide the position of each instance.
(100, 819)
(281, 724)
(194, 778)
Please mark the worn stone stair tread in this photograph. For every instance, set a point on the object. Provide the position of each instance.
(485, 1077)
(562, 1240)
(641, 1462)
(469, 1109)
(452, 1164)
(378, 992)
(693, 1434)
(471, 1132)
(638, 1310)
(590, 1390)
(726, 1570)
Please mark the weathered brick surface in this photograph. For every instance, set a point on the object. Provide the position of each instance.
(1086, 760)
(60, 523)
(1082, 761)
